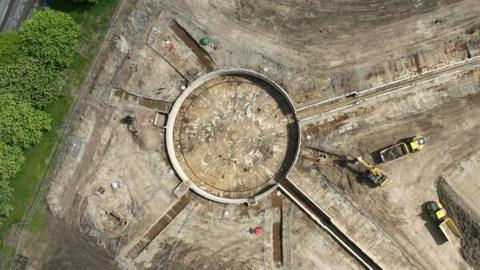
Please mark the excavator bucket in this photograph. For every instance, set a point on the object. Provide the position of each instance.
(385, 182)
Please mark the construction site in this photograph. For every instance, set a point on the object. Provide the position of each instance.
(268, 134)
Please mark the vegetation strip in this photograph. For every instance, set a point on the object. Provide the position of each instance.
(30, 182)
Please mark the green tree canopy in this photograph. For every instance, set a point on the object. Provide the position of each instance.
(51, 37)
(11, 159)
(5, 196)
(10, 47)
(29, 80)
(22, 125)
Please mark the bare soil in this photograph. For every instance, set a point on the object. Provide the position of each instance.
(467, 220)
(71, 250)
(316, 50)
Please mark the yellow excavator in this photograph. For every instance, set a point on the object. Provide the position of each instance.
(374, 174)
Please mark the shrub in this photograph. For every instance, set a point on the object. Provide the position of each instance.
(22, 125)
(5, 196)
(29, 80)
(10, 50)
(11, 159)
(51, 37)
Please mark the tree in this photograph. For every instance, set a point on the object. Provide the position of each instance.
(10, 49)
(51, 37)
(29, 80)
(5, 196)
(21, 124)
(11, 159)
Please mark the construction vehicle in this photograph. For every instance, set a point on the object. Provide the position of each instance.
(437, 212)
(416, 143)
(374, 174)
(403, 148)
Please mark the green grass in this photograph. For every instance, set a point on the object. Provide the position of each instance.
(25, 183)
(37, 225)
(92, 21)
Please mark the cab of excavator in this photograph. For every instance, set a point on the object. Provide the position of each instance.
(379, 180)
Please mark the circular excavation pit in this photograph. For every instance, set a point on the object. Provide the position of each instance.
(232, 135)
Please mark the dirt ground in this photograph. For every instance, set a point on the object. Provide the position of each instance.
(442, 112)
(458, 191)
(85, 254)
(468, 222)
(113, 186)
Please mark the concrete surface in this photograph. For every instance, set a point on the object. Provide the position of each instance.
(233, 136)
(13, 12)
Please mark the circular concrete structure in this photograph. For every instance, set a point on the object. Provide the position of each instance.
(232, 135)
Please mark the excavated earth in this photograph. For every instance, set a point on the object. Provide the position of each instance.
(398, 68)
(232, 136)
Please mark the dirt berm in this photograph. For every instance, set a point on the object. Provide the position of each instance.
(466, 219)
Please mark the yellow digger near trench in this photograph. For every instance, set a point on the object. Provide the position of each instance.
(374, 174)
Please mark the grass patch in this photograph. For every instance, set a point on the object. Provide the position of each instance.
(5, 256)
(37, 226)
(25, 183)
(93, 21)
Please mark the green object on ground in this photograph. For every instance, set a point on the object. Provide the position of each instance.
(204, 41)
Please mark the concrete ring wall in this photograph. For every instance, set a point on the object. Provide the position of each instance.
(173, 116)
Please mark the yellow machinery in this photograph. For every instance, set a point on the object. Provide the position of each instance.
(402, 148)
(373, 173)
(394, 152)
(416, 143)
(439, 215)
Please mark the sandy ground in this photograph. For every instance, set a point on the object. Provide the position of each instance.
(460, 195)
(112, 186)
(467, 220)
(446, 116)
(464, 180)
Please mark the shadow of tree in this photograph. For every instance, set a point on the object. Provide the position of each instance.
(68, 5)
